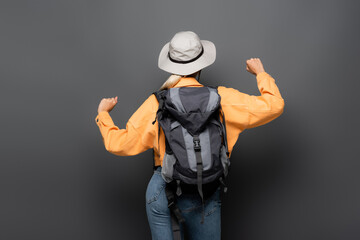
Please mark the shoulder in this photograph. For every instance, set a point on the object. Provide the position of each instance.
(151, 103)
(224, 90)
(145, 112)
(231, 95)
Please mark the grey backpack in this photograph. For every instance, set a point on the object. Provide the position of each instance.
(196, 152)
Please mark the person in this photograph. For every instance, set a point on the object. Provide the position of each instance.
(184, 57)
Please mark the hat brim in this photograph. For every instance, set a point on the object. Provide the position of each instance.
(206, 59)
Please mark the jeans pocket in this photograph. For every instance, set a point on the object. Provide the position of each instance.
(155, 187)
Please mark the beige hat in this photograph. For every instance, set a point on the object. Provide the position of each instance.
(186, 54)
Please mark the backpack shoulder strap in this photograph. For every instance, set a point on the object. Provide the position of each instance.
(223, 123)
(160, 96)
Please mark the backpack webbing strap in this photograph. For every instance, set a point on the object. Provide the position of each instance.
(199, 168)
(224, 130)
(161, 106)
(176, 217)
(175, 227)
(223, 124)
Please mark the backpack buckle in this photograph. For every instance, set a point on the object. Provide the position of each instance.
(197, 146)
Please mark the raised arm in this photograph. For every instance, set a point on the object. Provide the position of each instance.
(249, 111)
(268, 106)
(265, 108)
(139, 134)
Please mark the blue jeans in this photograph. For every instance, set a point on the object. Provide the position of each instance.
(190, 205)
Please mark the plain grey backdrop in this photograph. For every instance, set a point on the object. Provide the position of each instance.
(295, 178)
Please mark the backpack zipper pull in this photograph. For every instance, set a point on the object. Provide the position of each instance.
(223, 183)
(178, 188)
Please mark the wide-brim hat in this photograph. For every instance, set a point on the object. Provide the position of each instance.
(186, 54)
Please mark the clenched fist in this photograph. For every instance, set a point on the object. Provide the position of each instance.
(107, 104)
(254, 66)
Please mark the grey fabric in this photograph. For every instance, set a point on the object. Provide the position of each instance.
(174, 124)
(168, 167)
(191, 112)
(205, 149)
(194, 99)
(224, 160)
(215, 137)
(177, 141)
(205, 142)
(178, 100)
(189, 149)
(175, 98)
(213, 99)
(199, 169)
(192, 117)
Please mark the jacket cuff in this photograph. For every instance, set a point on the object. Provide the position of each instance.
(104, 118)
(262, 75)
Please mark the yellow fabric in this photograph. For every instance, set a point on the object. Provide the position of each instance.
(241, 111)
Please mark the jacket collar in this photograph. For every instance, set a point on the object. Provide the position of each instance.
(188, 82)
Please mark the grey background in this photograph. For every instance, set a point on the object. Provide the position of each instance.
(294, 178)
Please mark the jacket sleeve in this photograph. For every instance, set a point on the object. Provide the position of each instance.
(249, 111)
(268, 106)
(137, 137)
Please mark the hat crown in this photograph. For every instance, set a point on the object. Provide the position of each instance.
(185, 46)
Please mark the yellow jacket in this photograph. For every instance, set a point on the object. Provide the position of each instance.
(241, 111)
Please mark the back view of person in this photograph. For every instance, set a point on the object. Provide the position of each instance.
(184, 57)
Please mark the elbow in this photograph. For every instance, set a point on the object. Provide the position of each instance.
(278, 108)
(281, 106)
(115, 152)
(106, 144)
(108, 147)
(118, 151)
